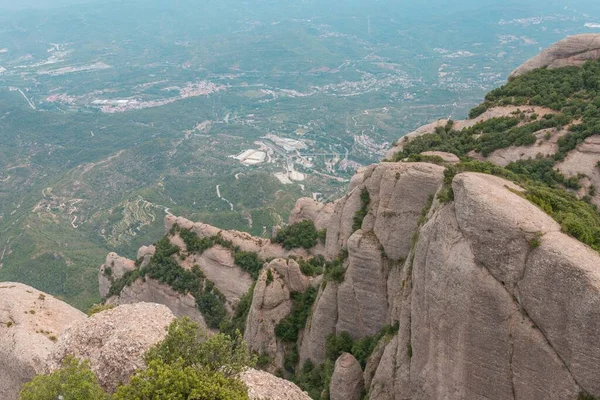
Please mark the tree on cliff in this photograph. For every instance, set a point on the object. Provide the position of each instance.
(73, 381)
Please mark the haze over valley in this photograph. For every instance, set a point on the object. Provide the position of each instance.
(115, 114)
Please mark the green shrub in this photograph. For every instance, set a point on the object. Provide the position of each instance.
(96, 308)
(196, 244)
(249, 261)
(429, 159)
(269, 277)
(302, 234)
(313, 266)
(176, 381)
(289, 327)
(73, 381)
(126, 280)
(187, 343)
(535, 242)
(238, 320)
(360, 215)
(338, 344)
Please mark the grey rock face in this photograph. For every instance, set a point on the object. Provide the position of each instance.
(362, 297)
(270, 304)
(347, 379)
(152, 291)
(572, 51)
(499, 322)
(30, 323)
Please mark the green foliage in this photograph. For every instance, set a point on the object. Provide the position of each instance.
(96, 308)
(73, 381)
(301, 234)
(542, 170)
(315, 380)
(338, 344)
(187, 343)
(576, 217)
(361, 349)
(269, 277)
(429, 159)
(535, 242)
(239, 318)
(291, 359)
(249, 261)
(313, 266)
(289, 327)
(335, 270)
(178, 382)
(359, 216)
(196, 244)
(126, 280)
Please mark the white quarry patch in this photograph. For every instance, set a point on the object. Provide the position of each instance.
(297, 176)
(251, 157)
(283, 178)
(289, 145)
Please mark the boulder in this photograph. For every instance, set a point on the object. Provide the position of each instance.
(30, 323)
(572, 51)
(264, 386)
(114, 268)
(114, 341)
(490, 315)
(347, 379)
(309, 209)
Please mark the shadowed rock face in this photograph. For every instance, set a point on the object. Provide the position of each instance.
(572, 51)
(30, 323)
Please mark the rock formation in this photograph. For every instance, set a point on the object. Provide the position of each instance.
(151, 291)
(114, 341)
(30, 324)
(572, 51)
(38, 331)
(114, 268)
(477, 325)
(347, 379)
(270, 304)
(264, 386)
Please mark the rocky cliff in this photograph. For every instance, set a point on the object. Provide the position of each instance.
(572, 51)
(37, 332)
(435, 280)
